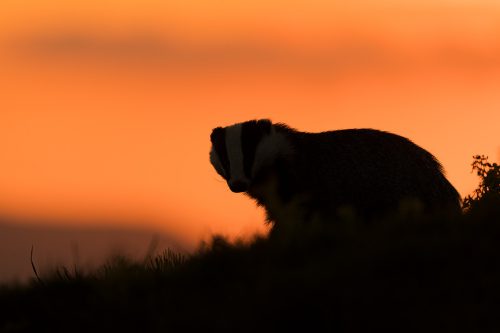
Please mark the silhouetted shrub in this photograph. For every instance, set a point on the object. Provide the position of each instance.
(488, 191)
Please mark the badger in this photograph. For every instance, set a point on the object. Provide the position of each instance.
(297, 176)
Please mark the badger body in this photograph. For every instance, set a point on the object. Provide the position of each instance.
(297, 175)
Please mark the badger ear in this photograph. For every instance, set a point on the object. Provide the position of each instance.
(216, 132)
(265, 125)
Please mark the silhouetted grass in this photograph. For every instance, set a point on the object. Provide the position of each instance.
(409, 273)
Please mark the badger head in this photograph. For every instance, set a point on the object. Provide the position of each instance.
(241, 152)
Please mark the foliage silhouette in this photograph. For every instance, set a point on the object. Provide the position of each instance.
(488, 190)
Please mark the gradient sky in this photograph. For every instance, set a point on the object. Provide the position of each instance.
(106, 107)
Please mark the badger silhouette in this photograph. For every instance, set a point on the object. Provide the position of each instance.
(297, 175)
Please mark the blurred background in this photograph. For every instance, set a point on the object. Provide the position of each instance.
(106, 106)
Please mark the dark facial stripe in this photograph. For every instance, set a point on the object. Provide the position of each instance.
(218, 138)
(251, 133)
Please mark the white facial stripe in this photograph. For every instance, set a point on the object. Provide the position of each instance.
(268, 149)
(235, 152)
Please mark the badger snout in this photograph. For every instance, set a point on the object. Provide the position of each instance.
(238, 185)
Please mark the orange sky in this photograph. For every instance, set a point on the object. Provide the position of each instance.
(106, 106)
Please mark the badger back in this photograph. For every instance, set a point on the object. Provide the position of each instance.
(371, 170)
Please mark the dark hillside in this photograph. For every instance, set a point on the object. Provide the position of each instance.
(433, 273)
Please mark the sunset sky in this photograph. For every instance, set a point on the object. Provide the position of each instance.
(106, 106)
